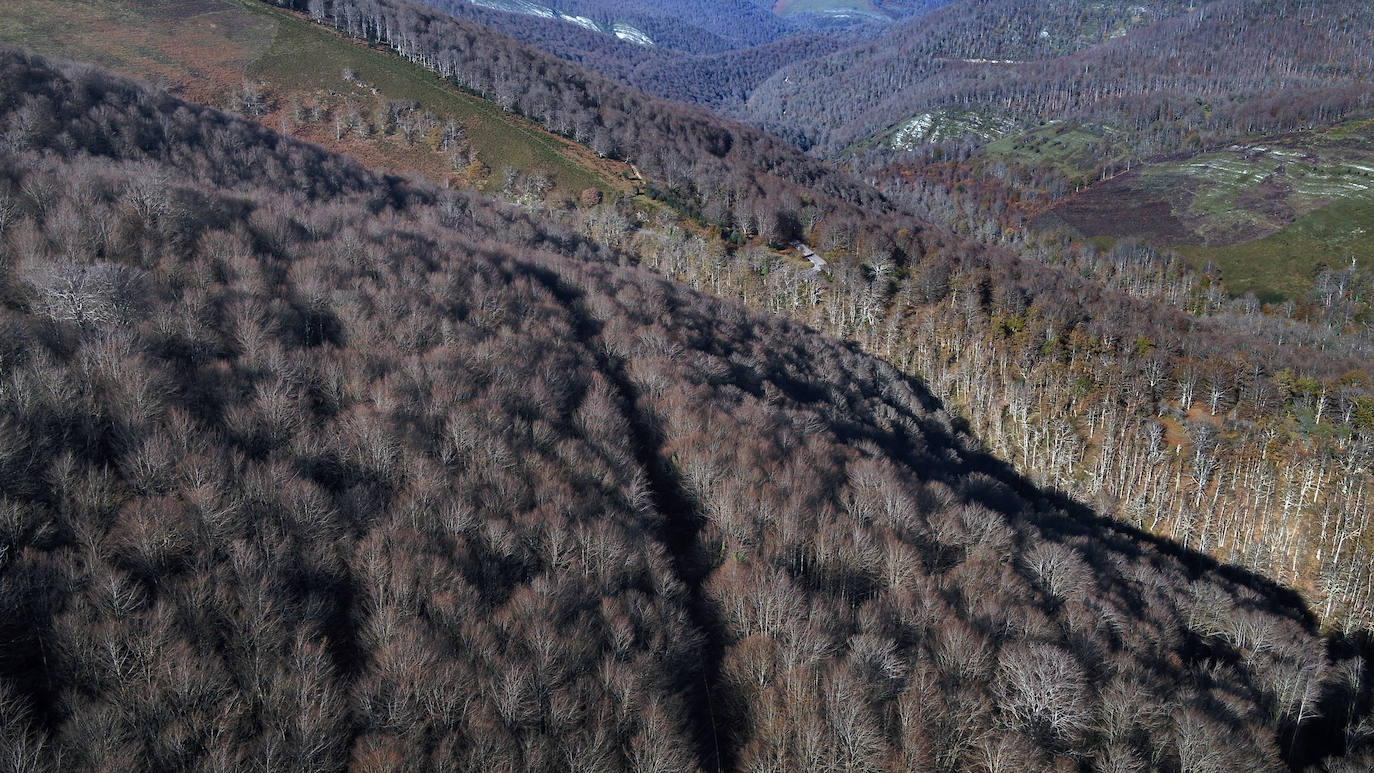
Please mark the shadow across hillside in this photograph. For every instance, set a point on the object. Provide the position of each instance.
(1061, 518)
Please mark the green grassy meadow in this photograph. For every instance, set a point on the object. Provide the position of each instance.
(1270, 213)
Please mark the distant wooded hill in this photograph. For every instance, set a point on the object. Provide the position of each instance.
(1160, 73)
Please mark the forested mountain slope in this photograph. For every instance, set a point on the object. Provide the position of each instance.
(720, 79)
(1117, 375)
(706, 53)
(310, 468)
(686, 26)
(689, 26)
(1042, 100)
(710, 167)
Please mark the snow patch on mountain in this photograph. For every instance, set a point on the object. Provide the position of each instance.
(620, 29)
(581, 21)
(630, 34)
(943, 125)
(517, 6)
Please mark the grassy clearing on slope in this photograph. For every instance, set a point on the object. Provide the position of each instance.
(1360, 130)
(196, 48)
(1071, 150)
(1237, 196)
(204, 50)
(1269, 212)
(1283, 264)
(304, 57)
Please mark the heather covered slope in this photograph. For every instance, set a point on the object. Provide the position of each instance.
(314, 469)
